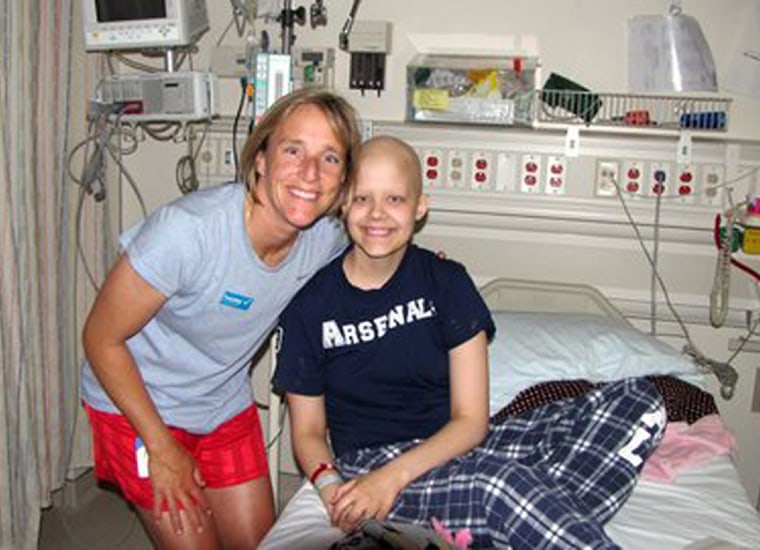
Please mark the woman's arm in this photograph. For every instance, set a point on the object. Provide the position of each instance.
(124, 305)
(373, 495)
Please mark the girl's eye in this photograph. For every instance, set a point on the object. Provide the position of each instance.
(360, 199)
(395, 199)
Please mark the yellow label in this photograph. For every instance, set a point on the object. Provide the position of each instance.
(431, 98)
(751, 241)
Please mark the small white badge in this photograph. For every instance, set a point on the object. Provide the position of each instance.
(573, 142)
(141, 457)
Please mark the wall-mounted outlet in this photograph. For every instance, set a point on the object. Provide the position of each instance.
(207, 164)
(226, 159)
(607, 178)
(712, 178)
(481, 170)
(456, 168)
(530, 174)
(432, 168)
(632, 178)
(556, 178)
(660, 179)
(685, 182)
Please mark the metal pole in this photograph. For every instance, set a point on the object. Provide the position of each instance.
(287, 26)
(169, 60)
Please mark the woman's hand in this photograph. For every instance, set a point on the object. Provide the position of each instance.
(177, 481)
(368, 496)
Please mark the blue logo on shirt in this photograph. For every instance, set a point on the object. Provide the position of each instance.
(238, 301)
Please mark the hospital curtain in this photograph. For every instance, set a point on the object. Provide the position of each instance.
(43, 294)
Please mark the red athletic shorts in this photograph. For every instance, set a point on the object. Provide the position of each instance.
(232, 454)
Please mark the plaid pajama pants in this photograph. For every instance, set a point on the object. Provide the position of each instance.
(549, 478)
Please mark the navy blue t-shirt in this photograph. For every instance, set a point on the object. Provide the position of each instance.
(380, 357)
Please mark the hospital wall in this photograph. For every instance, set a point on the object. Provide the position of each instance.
(499, 229)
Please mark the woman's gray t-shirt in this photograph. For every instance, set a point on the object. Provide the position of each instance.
(222, 303)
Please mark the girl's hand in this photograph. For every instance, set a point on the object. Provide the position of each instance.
(177, 482)
(327, 495)
(368, 496)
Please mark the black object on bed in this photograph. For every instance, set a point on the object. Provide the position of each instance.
(684, 402)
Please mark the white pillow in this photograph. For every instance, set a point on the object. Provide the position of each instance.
(538, 347)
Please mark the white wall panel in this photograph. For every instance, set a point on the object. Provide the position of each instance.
(497, 230)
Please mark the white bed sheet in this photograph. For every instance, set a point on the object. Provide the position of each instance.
(707, 506)
(704, 503)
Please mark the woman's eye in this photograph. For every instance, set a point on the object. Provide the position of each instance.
(291, 150)
(333, 159)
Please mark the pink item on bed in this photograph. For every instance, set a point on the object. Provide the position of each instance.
(460, 541)
(686, 446)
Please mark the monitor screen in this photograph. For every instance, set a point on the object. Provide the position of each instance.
(126, 10)
(142, 24)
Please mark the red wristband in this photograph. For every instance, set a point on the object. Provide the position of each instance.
(321, 467)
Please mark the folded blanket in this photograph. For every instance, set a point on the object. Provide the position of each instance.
(687, 446)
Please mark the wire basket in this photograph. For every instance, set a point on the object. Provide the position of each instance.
(593, 109)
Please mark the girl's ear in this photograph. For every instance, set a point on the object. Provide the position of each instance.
(422, 207)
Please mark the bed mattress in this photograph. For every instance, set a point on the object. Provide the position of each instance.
(703, 508)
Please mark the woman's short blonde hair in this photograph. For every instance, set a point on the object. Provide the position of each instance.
(340, 115)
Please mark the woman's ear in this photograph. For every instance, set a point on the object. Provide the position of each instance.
(260, 165)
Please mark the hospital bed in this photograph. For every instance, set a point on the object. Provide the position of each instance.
(552, 339)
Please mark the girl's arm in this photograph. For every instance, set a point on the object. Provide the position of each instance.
(373, 495)
(124, 305)
(308, 426)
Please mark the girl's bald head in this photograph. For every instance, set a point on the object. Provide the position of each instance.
(397, 151)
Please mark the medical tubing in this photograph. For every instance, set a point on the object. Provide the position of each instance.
(345, 31)
(655, 259)
(719, 293)
(724, 372)
(235, 124)
(748, 270)
(752, 328)
(648, 256)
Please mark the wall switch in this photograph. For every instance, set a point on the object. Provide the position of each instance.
(505, 172)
